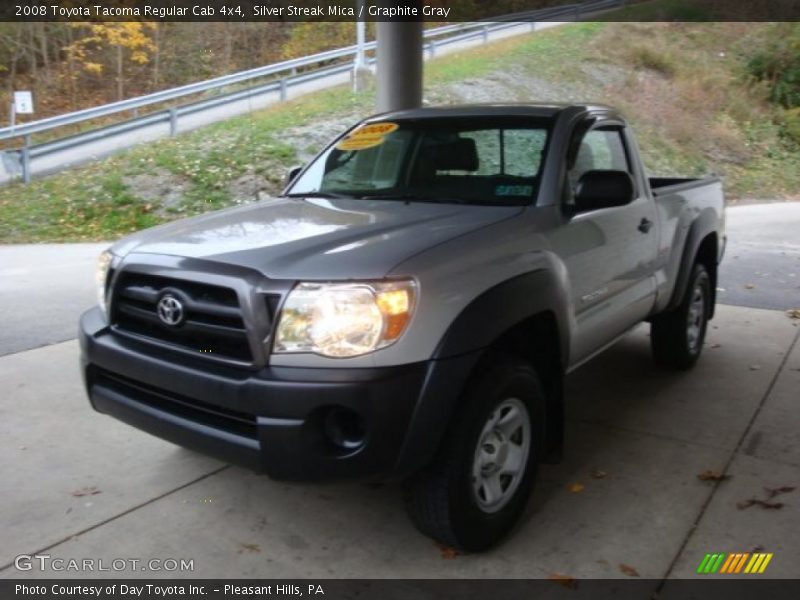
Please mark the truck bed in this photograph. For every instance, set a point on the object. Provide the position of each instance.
(667, 185)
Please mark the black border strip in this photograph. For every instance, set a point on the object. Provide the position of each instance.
(709, 588)
(77, 11)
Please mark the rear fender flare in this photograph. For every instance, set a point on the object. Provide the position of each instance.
(703, 226)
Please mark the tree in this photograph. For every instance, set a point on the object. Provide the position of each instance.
(125, 40)
(310, 37)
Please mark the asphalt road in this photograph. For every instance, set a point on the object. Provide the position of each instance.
(45, 287)
(43, 290)
(761, 268)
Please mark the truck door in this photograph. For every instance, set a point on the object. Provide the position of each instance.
(609, 252)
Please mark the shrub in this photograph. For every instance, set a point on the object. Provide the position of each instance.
(778, 65)
(645, 57)
(791, 124)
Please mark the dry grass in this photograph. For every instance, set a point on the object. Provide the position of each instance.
(695, 110)
(645, 57)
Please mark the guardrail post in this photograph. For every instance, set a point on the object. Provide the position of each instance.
(485, 34)
(173, 121)
(283, 90)
(432, 48)
(26, 160)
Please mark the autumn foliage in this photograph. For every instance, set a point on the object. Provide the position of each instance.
(70, 66)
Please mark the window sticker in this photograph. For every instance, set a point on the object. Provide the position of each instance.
(513, 190)
(367, 136)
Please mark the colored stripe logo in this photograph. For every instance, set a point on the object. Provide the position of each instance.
(737, 562)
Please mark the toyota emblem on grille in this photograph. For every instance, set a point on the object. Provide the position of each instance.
(170, 310)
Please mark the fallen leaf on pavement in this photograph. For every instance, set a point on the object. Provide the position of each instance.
(750, 286)
(784, 489)
(628, 570)
(565, 580)
(709, 475)
(756, 502)
(448, 553)
(249, 548)
(598, 474)
(576, 488)
(86, 491)
(755, 367)
(794, 313)
(715, 346)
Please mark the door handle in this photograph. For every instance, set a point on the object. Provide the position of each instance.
(645, 225)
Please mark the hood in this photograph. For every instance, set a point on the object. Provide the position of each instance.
(290, 238)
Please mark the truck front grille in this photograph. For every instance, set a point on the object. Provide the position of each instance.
(212, 322)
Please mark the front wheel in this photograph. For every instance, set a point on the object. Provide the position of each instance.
(478, 485)
(677, 337)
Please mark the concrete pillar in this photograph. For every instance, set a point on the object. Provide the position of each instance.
(362, 76)
(399, 67)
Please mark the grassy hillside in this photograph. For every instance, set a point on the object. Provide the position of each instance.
(685, 88)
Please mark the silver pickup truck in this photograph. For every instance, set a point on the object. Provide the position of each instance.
(410, 305)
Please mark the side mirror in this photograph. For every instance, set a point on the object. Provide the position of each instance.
(603, 189)
(292, 174)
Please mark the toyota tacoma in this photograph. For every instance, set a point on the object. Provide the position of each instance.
(408, 308)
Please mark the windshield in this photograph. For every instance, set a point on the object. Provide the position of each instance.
(492, 161)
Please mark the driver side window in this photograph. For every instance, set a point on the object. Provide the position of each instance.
(601, 149)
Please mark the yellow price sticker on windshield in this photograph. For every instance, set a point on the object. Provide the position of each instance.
(367, 136)
(360, 143)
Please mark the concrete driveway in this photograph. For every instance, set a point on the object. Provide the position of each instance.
(638, 438)
(77, 484)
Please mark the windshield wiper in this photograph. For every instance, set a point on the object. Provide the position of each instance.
(415, 198)
(401, 196)
(327, 195)
(398, 196)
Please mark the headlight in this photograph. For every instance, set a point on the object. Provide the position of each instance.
(344, 319)
(100, 275)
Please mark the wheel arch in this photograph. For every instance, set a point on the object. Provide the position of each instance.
(702, 246)
(537, 340)
(525, 316)
(536, 297)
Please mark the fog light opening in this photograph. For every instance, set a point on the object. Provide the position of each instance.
(344, 428)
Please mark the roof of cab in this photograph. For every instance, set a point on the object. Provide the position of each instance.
(544, 110)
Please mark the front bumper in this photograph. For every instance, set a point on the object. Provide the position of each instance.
(276, 420)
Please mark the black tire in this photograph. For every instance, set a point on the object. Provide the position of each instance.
(442, 500)
(677, 337)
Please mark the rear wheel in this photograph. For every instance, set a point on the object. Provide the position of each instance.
(474, 491)
(677, 337)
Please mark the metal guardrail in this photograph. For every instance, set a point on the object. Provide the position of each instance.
(284, 75)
